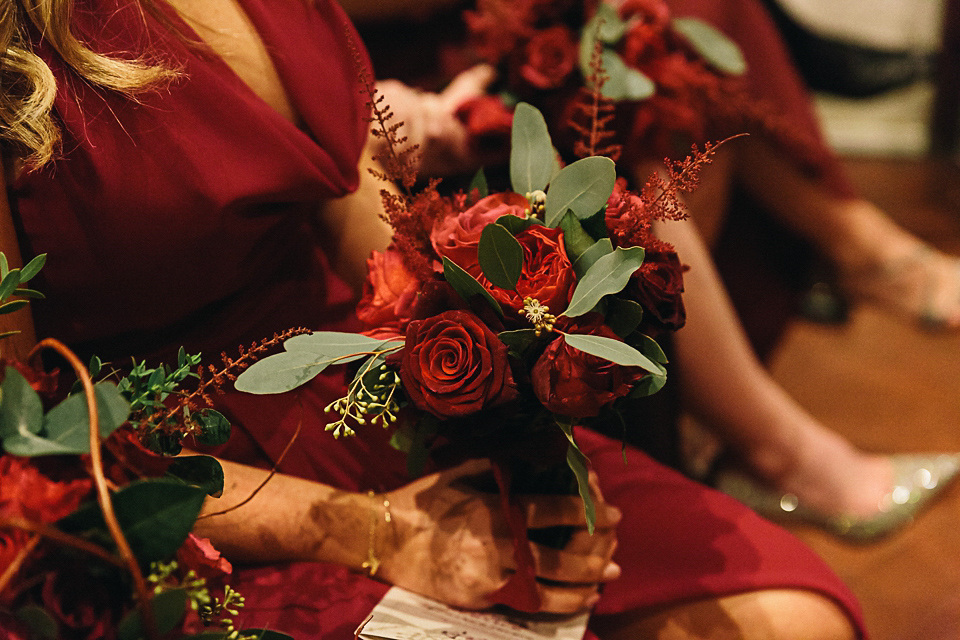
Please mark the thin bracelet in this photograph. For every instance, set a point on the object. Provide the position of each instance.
(372, 563)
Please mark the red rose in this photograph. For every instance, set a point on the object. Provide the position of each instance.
(28, 494)
(572, 383)
(456, 237)
(547, 273)
(453, 365)
(550, 56)
(658, 286)
(389, 291)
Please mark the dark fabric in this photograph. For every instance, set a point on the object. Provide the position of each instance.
(182, 219)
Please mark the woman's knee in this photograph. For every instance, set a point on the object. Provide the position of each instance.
(769, 614)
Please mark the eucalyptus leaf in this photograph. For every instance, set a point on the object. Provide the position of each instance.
(216, 428)
(605, 25)
(21, 410)
(578, 463)
(168, 608)
(623, 317)
(283, 372)
(648, 385)
(155, 516)
(67, 424)
(4, 265)
(519, 340)
(9, 283)
(203, 472)
(609, 274)
(649, 347)
(466, 285)
(584, 186)
(531, 151)
(613, 350)
(588, 258)
(624, 82)
(334, 344)
(500, 256)
(717, 49)
(575, 239)
(30, 293)
(33, 267)
(30, 445)
(479, 183)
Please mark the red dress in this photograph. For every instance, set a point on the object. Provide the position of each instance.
(183, 219)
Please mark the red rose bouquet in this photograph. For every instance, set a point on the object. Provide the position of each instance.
(669, 81)
(496, 322)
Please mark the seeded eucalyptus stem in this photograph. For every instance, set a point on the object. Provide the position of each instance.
(100, 481)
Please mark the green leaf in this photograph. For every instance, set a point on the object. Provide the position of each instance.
(284, 371)
(155, 516)
(67, 424)
(265, 634)
(578, 464)
(4, 265)
(21, 410)
(41, 624)
(613, 350)
(30, 293)
(609, 274)
(479, 183)
(717, 49)
(605, 25)
(168, 608)
(335, 344)
(649, 385)
(466, 285)
(531, 151)
(500, 256)
(9, 283)
(203, 472)
(33, 267)
(519, 340)
(588, 258)
(623, 316)
(623, 82)
(516, 224)
(13, 305)
(216, 428)
(649, 347)
(575, 239)
(584, 186)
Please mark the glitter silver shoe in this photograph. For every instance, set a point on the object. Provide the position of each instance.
(918, 478)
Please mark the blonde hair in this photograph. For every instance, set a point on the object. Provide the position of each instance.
(27, 87)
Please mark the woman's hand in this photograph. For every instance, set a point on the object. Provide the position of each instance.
(451, 542)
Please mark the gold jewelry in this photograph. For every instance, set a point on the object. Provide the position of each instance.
(372, 563)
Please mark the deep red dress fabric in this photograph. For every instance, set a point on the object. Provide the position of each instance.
(183, 219)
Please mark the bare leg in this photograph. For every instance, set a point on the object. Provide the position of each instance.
(757, 615)
(727, 388)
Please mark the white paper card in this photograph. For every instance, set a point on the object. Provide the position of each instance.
(403, 615)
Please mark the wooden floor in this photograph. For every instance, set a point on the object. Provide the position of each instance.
(891, 387)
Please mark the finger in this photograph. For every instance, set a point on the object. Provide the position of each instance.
(601, 541)
(468, 84)
(567, 599)
(551, 511)
(571, 568)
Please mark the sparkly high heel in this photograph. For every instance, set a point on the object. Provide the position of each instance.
(918, 478)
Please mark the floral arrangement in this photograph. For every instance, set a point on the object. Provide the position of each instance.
(668, 81)
(95, 515)
(498, 321)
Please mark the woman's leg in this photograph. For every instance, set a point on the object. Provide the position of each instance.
(726, 387)
(769, 614)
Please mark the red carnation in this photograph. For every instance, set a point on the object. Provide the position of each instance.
(454, 365)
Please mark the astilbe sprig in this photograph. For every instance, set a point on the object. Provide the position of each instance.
(595, 139)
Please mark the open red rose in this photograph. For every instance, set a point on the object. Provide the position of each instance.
(572, 383)
(547, 273)
(453, 365)
(27, 493)
(456, 237)
(550, 55)
(658, 286)
(389, 292)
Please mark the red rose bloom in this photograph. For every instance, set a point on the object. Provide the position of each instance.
(198, 554)
(658, 286)
(454, 365)
(572, 383)
(389, 291)
(550, 56)
(456, 237)
(547, 273)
